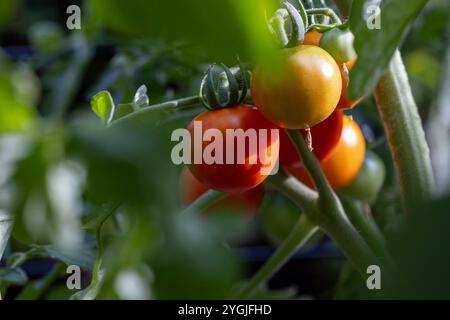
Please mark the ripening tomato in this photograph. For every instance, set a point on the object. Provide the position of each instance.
(324, 138)
(312, 38)
(344, 163)
(238, 148)
(339, 44)
(344, 102)
(247, 201)
(304, 93)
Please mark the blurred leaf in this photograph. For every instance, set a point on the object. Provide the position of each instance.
(63, 79)
(375, 47)
(35, 289)
(47, 37)
(103, 106)
(83, 257)
(421, 254)
(7, 10)
(11, 277)
(224, 29)
(6, 223)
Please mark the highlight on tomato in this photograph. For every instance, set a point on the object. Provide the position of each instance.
(304, 92)
(324, 139)
(344, 163)
(247, 202)
(242, 144)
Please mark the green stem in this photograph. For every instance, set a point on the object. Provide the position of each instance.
(405, 134)
(37, 288)
(302, 232)
(326, 12)
(168, 105)
(332, 219)
(313, 167)
(204, 202)
(368, 229)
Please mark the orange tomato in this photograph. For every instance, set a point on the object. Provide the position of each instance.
(344, 163)
(312, 37)
(304, 93)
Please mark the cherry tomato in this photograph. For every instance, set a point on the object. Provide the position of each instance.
(344, 102)
(339, 44)
(234, 176)
(367, 184)
(247, 202)
(324, 138)
(312, 38)
(344, 163)
(304, 93)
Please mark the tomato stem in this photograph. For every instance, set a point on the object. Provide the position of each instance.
(205, 201)
(367, 228)
(164, 106)
(326, 12)
(302, 232)
(405, 135)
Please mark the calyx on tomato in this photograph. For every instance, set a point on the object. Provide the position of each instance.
(303, 93)
(324, 138)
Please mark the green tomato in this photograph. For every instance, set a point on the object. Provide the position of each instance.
(367, 184)
(279, 217)
(339, 44)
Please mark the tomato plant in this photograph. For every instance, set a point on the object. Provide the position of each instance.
(246, 202)
(344, 101)
(305, 92)
(344, 163)
(242, 174)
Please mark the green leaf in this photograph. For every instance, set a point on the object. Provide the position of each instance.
(12, 276)
(223, 29)
(84, 257)
(375, 47)
(103, 106)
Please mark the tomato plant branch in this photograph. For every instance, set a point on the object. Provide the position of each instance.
(405, 134)
(368, 229)
(164, 106)
(326, 12)
(302, 232)
(205, 201)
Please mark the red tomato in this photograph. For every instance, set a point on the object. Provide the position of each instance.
(239, 175)
(324, 138)
(344, 163)
(191, 189)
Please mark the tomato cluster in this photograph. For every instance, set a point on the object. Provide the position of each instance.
(308, 95)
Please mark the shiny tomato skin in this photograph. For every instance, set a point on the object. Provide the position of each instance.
(235, 178)
(247, 202)
(324, 137)
(344, 163)
(344, 102)
(304, 93)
